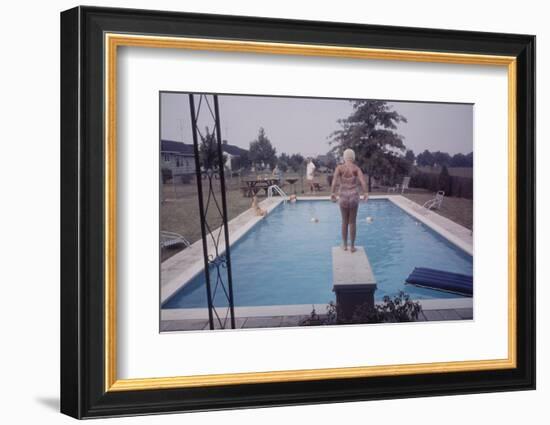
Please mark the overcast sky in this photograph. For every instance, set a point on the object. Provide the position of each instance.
(296, 125)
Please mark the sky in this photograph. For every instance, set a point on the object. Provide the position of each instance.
(300, 125)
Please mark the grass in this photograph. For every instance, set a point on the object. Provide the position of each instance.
(179, 211)
(459, 210)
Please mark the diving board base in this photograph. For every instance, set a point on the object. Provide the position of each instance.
(354, 283)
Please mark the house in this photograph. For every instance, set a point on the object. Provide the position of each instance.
(178, 157)
(232, 151)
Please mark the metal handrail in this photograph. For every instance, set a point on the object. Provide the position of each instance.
(277, 189)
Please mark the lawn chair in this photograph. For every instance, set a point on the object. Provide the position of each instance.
(404, 185)
(172, 239)
(436, 202)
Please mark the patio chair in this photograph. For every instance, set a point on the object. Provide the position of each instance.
(436, 202)
(171, 239)
(404, 185)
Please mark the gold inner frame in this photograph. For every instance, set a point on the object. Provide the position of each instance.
(113, 41)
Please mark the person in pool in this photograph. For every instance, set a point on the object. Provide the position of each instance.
(349, 176)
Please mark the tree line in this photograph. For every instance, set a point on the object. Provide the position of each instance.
(442, 159)
(260, 155)
(370, 130)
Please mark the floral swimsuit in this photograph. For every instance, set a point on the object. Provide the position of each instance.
(349, 196)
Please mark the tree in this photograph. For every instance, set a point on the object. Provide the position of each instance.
(369, 131)
(400, 166)
(409, 156)
(283, 162)
(208, 151)
(425, 159)
(431, 159)
(458, 160)
(295, 162)
(261, 151)
(461, 160)
(241, 162)
(442, 158)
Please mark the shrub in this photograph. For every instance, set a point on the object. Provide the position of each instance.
(313, 319)
(397, 309)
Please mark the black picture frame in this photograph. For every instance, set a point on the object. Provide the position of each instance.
(83, 392)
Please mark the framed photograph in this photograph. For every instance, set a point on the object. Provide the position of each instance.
(261, 212)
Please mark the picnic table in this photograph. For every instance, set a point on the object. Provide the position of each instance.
(253, 186)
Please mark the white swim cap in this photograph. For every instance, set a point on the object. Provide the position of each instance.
(349, 155)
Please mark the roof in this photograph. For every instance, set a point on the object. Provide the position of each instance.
(187, 149)
(178, 147)
(233, 150)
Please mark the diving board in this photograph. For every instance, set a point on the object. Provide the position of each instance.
(353, 280)
(440, 280)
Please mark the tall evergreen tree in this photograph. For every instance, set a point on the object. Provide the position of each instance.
(262, 151)
(369, 131)
(409, 156)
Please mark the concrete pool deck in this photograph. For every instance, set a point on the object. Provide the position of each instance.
(182, 267)
(276, 316)
(458, 235)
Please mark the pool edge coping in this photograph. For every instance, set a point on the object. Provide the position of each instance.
(458, 235)
(303, 309)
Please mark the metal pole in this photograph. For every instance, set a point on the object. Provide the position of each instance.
(224, 208)
(201, 208)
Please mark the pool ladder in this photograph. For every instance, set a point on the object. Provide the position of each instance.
(274, 188)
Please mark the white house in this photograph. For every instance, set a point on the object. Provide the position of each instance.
(178, 157)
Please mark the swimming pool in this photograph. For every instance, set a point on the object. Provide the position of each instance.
(286, 259)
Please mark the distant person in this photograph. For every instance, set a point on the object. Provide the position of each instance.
(348, 176)
(277, 174)
(256, 208)
(310, 174)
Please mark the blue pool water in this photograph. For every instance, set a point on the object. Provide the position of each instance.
(286, 259)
